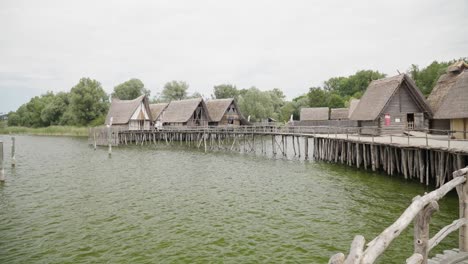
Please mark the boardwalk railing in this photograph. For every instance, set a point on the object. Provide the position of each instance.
(425, 137)
(420, 211)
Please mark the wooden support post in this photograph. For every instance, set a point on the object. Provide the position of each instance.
(109, 139)
(273, 144)
(2, 170)
(13, 155)
(421, 230)
(204, 140)
(306, 148)
(94, 134)
(427, 140)
(462, 191)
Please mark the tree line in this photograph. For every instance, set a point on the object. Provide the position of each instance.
(86, 104)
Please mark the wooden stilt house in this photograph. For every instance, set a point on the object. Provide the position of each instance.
(449, 101)
(157, 113)
(339, 114)
(224, 112)
(130, 114)
(392, 105)
(190, 112)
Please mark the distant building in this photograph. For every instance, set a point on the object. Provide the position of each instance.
(190, 112)
(449, 101)
(3, 116)
(314, 114)
(130, 114)
(224, 112)
(157, 113)
(392, 105)
(339, 114)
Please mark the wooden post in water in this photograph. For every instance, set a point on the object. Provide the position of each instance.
(13, 156)
(109, 135)
(2, 171)
(94, 133)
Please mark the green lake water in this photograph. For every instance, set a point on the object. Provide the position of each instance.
(66, 203)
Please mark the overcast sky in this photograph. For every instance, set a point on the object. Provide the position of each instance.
(292, 45)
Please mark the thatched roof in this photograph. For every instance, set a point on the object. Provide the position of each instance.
(380, 92)
(339, 113)
(455, 103)
(457, 67)
(217, 108)
(444, 87)
(157, 109)
(314, 113)
(122, 110)
(352, 106)
(181, 111)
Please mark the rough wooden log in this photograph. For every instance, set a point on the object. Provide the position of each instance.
(421, 229)
(377, 246)
(437, 238)
(337, 259)
(357, 248)
(416, 258)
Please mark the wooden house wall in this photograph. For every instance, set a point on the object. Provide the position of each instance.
(401, 104)
(204, 117)
(461, 125)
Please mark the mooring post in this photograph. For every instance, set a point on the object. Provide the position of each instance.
(109, 139)
(2, 171)
(13, 157)
(94, 133)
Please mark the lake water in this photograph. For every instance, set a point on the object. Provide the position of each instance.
(66, 203)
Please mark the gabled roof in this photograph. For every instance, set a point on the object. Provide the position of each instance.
(181, 111)
(352, 106)
(157, 109)
(217, 108)
(380, 92)
(339, 113)
(455, 103)
(314, 113)
(122, 110)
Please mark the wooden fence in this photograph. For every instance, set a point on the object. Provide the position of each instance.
(420, 211)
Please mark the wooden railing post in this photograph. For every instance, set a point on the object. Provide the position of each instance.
(462, 191)
(421, 229)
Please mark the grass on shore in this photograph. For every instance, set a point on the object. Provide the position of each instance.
(47, 131)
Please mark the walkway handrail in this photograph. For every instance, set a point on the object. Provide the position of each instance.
(420, 210)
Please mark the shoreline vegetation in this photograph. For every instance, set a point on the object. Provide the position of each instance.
(46, 131)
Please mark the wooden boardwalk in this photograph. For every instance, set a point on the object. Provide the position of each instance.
(451, 256)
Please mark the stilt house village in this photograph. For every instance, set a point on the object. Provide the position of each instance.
(138, 114)
(395, 104)
(389, 106)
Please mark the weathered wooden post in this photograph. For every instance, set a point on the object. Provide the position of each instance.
(109, 136)
(421, 230)
(13, 156)
(427, 141)
(449, 137)
(408, 137)
(462, 191)
(94, 133)
(2, 171)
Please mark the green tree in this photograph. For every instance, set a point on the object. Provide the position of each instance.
(257, 104)
(225, 91)
(54, 110)
(353, 84)
(317, 97)
(88, 101)
(130, 89)
(335, 101)
(175, 90)
(427, 77)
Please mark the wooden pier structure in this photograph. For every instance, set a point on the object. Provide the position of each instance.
(425, 157)
(419, 212)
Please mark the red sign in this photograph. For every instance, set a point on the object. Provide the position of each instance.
(387, 119)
